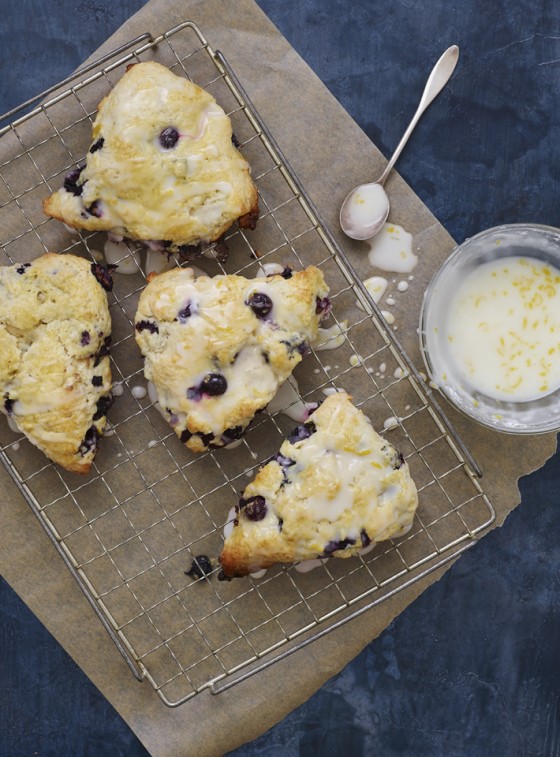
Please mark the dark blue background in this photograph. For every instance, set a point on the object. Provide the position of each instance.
(473, 666)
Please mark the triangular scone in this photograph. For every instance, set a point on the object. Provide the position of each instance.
(334, 487)
(217, 349)
(161, 167)
(55, 376)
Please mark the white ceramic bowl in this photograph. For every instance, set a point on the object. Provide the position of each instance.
(527, 241)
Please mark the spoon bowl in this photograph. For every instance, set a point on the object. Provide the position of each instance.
(365, 209)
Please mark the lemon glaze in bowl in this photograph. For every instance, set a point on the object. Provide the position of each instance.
(490, 328)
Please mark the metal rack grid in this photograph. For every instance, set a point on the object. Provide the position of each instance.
(130, 530)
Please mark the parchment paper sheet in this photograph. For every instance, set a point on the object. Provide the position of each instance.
(330, 154)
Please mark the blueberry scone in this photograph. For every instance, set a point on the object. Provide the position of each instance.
(335, 487)
(217, 349)
(55, 377)
(162, 166)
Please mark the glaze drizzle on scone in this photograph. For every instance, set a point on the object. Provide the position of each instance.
(335, 487)
(217, 349)
(161, 167)
(55, 376)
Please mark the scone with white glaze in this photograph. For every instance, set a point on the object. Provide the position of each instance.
(162, 166)
(335, 487)
(55, 375)
(217, 349)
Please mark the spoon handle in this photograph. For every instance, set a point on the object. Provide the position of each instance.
(439, 77)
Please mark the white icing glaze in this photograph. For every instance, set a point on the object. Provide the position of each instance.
(364, 209)
(307, 565)
(288, 401)
(331, 338)
(376, 286)
(343, 466)
(390, 422)
(391, 250)
(228, 526)
(328, 390)
(12, 424)
(388, 316)
(117, 253)
(503, 329)
(364, 550)
(153, 396)
(153, 245)
(270, 269)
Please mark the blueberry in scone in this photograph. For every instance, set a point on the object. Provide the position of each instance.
(214, 358)
(335, 487)
(55, 375)
(162, 167)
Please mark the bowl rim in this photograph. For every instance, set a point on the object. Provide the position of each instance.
(441, 271)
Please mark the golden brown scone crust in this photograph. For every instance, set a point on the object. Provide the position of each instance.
(333, 489)
(189, 329)
(190, 192)
(54, 334)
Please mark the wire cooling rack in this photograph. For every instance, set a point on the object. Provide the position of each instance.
(130, 530)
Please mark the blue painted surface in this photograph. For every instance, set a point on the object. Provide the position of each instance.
(473, 666)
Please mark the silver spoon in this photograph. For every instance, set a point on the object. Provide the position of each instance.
(366, 208)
